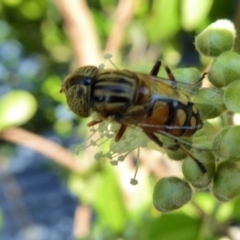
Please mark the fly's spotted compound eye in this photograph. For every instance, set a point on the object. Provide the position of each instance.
(77, 88)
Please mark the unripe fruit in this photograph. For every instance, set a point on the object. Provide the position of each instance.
(188, 75)
(226, 181)
(226, 143)
(176, 154)
(210, 102)
(193, 173)
(216, 38)
(232, 96)
(225, 69)
(171, 193)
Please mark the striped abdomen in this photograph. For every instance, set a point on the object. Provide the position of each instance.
(172, 112)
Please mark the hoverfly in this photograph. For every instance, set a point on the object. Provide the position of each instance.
(155, 105)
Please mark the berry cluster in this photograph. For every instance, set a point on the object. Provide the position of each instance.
(222, 159)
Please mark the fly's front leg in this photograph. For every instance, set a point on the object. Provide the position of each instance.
(200, 165)
(94, 122)
(120, 132)
(128, 119)
(155, 139)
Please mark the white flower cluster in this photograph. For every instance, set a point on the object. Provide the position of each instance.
(106, 131)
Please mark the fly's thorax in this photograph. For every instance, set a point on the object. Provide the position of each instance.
(114, 91)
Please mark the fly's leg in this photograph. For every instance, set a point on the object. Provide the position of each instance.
(200, 165)
(92, 123)
(156, 68)
(155, 139)
(169, 73)
(203, 76)
(201, 79)
(120, 132)
(131, 113)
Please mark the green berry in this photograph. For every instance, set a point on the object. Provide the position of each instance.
(226, 143)
(179, 154)
(226, 180)
(176, 154)
(193, 173)
(232, 96)
(225, 69)
(210, 102)
(216, 38)
(187, 75)
(171, 193)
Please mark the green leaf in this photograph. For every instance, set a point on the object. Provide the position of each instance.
(51, 87)
(12, 3)
(16, 108)
(174, 226)
(161, 25)
(33, 9)
(101, 190)
(194, 12)
(235, 214)
(109, 201)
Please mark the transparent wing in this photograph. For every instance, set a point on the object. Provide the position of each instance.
(208, 100)
(190, 89)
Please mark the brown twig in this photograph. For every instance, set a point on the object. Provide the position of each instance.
(42, 145)
(123, 16)
(81, 31)
(82, 221)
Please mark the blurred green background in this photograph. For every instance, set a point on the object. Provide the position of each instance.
(41, 42)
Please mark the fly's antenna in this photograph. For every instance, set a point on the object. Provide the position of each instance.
(109, 56)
